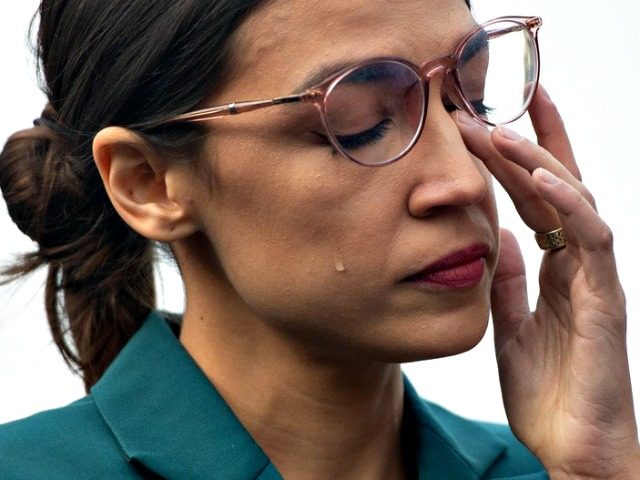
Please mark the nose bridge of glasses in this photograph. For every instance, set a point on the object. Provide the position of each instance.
(442, 65)
(443, 68)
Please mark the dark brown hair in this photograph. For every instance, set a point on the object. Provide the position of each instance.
(106, 62)
(115, 62)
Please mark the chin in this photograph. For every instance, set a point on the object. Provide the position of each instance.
(395, 335)
(435, 337)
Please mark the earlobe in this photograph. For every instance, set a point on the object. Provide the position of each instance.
(143, 188)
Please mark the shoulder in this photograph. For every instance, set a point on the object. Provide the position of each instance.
(68, 442)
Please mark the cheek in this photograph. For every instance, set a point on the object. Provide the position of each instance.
(295, 237)
(489, 204)
(490, 214)
(313, 245)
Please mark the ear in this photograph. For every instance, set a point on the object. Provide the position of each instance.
(146, 191)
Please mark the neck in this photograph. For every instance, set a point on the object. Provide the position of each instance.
(313, 418)
(327, 424)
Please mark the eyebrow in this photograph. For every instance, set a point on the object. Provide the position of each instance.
(479, 42)
(323, 72)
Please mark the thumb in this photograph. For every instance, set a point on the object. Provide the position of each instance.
(509, 302)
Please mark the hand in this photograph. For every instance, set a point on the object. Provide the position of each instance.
(563, 368)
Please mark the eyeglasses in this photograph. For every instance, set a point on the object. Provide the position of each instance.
(373, 113)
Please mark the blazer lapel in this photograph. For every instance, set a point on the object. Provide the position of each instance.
(455, 448)
(167, 416)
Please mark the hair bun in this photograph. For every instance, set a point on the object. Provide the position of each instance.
(22, 174)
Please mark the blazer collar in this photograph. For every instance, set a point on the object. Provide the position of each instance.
(168, 417)
(449, 446)
(170, 420)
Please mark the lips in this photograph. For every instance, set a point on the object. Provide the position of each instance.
(461, 269)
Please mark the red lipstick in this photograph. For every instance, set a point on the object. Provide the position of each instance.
(462, 269)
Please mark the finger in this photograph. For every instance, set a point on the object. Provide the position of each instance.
(550, 130)
(509, 303)
(533, 209)
(476, 137)
(530, 156)
(583, 227)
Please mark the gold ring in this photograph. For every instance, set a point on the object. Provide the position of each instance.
(551, 240)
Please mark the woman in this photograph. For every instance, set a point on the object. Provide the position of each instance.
(321, 241)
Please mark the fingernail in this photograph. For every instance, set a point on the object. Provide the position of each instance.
(509, 134)
(547, 177)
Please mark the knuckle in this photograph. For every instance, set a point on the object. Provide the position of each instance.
(604, 241)
(575, 198)
(531, 200)
(587, 195)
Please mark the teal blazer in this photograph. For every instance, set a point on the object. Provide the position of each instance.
(154, 414)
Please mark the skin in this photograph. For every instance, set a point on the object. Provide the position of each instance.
(293, 258)
(564, 367)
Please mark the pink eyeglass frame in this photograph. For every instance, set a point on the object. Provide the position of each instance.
(317, 95)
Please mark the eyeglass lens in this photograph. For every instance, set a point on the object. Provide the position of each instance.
(497, 70)
(375, 113)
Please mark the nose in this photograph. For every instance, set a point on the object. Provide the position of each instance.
(445, 173)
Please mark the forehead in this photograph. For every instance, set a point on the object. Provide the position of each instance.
(282, 41)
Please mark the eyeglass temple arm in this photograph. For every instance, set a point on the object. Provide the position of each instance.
(248, 106)
(240, 107)
(532, 23)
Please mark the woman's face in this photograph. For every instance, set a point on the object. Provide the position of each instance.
(323, 250)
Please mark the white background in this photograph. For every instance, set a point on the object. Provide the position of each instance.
(590, 65)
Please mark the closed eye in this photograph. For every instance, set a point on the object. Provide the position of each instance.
(478, 106)
(366, 137)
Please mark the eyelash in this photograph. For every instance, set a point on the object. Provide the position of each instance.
(477, 105)
(368, 137)
(375, 134)
(480, 107)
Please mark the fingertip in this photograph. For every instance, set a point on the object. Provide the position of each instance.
(559, 193)
(549, 185)
(508, 134)
(509, 143)
(546, 177)
(463, 118)
(541, 103)
(507, 235)
(509, 254)
(509, 246)
(542, 91)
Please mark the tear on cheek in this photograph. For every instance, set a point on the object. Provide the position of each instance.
(340, 265)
